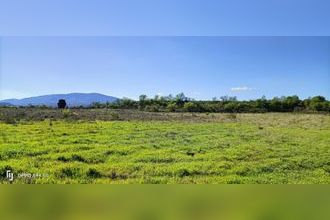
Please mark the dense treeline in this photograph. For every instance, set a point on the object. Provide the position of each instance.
(227, 104)
(181, 103)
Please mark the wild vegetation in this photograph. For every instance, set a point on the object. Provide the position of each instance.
(181, 103)
(129, 146)
(224, 104)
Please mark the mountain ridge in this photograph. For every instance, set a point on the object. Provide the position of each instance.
(72, 99)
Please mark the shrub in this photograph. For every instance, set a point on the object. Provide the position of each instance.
(172, 107)
(114, 116)
(183, 173)
(66, 113)
(190, 107)
(63, 159)
(93, 173)
(113, 175)
(69, 172)
(9, 120)
(152, 108)
(190, 153)
(78, 158)
(231, 107)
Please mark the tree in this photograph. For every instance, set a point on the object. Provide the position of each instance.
(224, 98)
(127, 103)
(261, 104)
(275, 105)
(318, 99)
(97, 105)
(232, 98)
(228, 98)
(142, 98)
(182, 103)
(61, 103)
(318, 103)
(170, 97)
(231, 107)
(142, 101)
(181, 97)
(172, 107)
(190, 107)
(291, 102)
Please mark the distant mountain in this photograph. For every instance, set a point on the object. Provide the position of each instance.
(5, 104)
(72, 100)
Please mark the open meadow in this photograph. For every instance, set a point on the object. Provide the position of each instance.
(118, 146)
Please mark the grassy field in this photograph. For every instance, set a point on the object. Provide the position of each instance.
(169, 148)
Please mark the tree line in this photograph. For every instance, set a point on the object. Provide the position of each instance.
(181, 103)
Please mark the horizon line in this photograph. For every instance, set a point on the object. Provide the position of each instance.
(152, 97)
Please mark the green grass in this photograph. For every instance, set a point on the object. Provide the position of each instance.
(250, 148)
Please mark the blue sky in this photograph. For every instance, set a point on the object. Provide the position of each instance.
(201, 67)
(165, 17)
(130, 47)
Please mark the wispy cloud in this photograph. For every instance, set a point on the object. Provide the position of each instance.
(241, 89)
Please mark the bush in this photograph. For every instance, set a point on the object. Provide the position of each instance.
(78, 158)
(230, 107)
(114, 116)
(172, 107)
(63, 159)
(183, 173)
(93, 173)
(69, 172)
(152, 108)
(66, 113)
(190, 107)
(9, 120)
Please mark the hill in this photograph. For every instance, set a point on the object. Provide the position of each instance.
(72, 99)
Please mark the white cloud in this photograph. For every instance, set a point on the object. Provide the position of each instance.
(241, 89)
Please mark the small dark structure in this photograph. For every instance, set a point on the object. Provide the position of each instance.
(61, 103)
